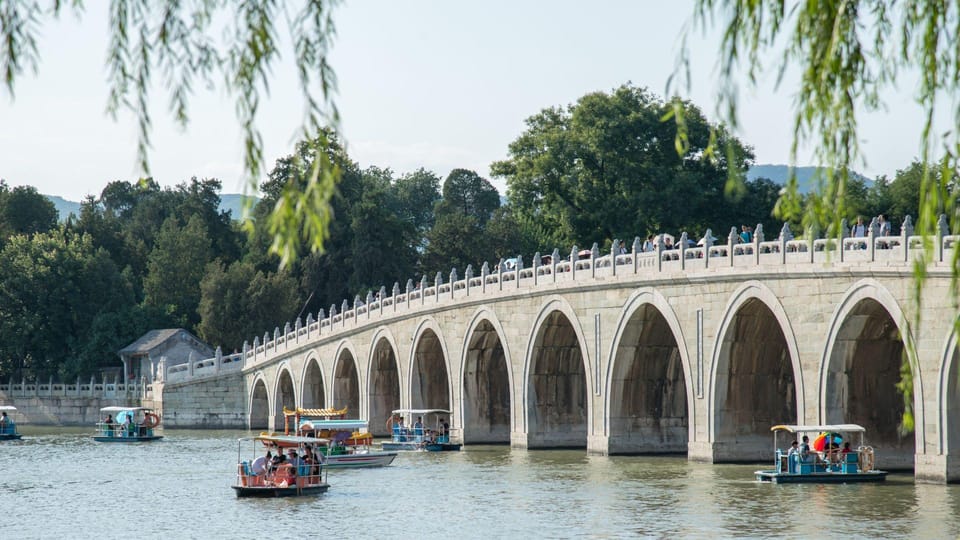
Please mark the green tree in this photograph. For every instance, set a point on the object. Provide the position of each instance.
(52, 286)
(607, 167)
(457, 237)
(239, 302)
(24, 211)
(175, 268)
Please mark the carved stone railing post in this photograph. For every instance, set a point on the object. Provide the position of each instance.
(516, 271)
(467, 276)
(943, 229)
(484, 272)
(614, 251)
(573, 262)
(658, 249)
(436, 286)
(872, 232)
(785, 236)
(410, 289)
(594, 255)
(320, 317)
(906, 231)
(637, 246)
(732, 239)
(535, 264)
(218, 356)
(757, 240)
(344, 307)
(500, 275)
(554, 258)
(423, 289)
(453, 281)
(256, 346)
(369, 303)
(810, 235)
(844, 234)
(683, 250)
(395, 292)
(707, 242)
(245, 352)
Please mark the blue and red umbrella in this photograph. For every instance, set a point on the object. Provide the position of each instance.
(827, 440)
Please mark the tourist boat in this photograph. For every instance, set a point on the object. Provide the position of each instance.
(350, 441)
(127, 425)
(8, 428)
(258, 478)
(827, 461)
(407, 435)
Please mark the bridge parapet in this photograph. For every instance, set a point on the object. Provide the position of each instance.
(582, 267)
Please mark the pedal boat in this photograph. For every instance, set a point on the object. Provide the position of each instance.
(821, 467)
(304, 481)
(129, 425)
(350, 444)
(8, 430)
(410, 437)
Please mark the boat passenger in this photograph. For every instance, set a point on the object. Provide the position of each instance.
(805, 450)
(293, 459)
(846, 450)
(108, 425)
(418, 429)
(6, 424)
(259, 465)
(794, 449)
(284, 474)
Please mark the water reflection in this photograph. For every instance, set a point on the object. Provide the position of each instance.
(59, 483)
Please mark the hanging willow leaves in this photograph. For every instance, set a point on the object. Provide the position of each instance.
(226, 44)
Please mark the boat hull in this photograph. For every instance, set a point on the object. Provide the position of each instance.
(401, 446)
(10, 437)
(821, 478)
(359, 461)
(274, 491)
(127, 439)
(442, 447)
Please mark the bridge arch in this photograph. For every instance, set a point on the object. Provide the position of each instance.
(346, 380)
(649, 404)
(285, 394)
(258, 408)
(485, 412)
(313, 391)
(557, 385)
(948, 406)
(384, 380)
(868, 324)
(753, 330)
(429, 370)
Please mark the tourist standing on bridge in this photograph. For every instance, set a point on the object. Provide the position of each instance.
(746, 234)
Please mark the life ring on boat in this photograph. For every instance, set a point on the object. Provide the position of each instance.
(866, 458)
(151, 420)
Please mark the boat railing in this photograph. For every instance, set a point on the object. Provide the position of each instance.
(855, 461)
(305, 475)
(112, 429)
(10, 428)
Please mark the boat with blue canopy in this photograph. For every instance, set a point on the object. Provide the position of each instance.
(127, 425)
(350, 443)
(8, 427)
(275, 475)
(826, 455)
(410, 432)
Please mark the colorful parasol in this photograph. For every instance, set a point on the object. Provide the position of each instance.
(825, 440)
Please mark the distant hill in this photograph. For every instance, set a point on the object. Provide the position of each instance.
(231, 202)
(806, 176)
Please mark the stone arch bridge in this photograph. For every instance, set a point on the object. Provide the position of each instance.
(695, 350)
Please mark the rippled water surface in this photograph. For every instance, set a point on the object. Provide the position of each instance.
(58, 483)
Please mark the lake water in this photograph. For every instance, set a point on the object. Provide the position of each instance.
(58, 483)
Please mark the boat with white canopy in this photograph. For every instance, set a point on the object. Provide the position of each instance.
(8, 427)
(821, 454)
(409, 431)
(127, 425)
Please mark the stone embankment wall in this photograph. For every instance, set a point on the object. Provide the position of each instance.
(218, 403)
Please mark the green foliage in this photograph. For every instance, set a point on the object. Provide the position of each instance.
(606, 167)
(175, 269)
(227, 45)
(52, 287)
(239, 302)
(457, 237)
(24, 211)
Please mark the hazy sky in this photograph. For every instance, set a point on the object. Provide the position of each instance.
(433, 84)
